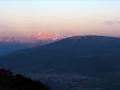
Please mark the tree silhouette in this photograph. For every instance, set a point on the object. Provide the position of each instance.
(8, 81)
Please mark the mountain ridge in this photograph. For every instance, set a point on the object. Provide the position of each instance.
(93, 55)
(12, 44)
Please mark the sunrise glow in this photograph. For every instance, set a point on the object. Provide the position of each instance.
(69, 17)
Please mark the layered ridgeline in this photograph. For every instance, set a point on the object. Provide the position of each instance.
(10, 44)
(88, 55)
(86, 62)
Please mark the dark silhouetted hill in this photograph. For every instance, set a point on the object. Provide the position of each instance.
(8, 81)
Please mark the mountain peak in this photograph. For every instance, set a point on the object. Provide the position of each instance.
(40, 36)
(46, 36)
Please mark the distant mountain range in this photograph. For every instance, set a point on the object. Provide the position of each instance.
(40, 36)
(11, 44)
(90, 55)
(8, 47)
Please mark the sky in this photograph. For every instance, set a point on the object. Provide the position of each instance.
(67, 17)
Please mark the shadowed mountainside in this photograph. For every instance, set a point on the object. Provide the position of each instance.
(87, 54)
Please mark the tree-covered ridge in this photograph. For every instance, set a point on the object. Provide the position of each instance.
(8, 81)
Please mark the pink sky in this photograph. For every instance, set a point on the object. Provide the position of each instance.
(26, 18)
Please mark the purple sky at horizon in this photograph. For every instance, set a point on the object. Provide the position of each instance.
(68, 17)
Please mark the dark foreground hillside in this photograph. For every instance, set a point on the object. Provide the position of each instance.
(8, 81)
